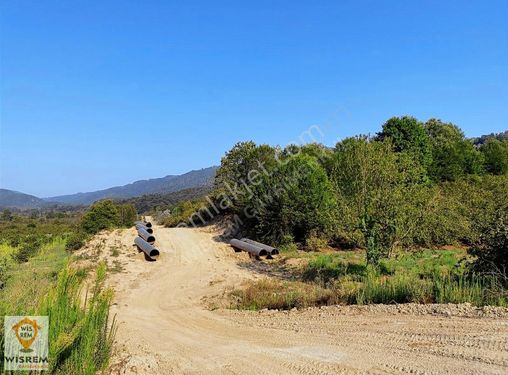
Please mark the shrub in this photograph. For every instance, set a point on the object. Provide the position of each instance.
(28, 249)
(316, 243)
(189, 213)
(297, 200)
(496, 156)
(76, 241)
(101, 215)
(492, 249)
(127, 214)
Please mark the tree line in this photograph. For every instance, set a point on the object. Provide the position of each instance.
(413, 184)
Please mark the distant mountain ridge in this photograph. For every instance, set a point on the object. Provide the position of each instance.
(168, 184)
(202, 178)
(15, 199)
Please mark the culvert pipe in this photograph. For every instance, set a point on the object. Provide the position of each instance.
(145, 223)
(250, 248)
(147, 236)
(142, 226)
(270, 250)
(146, 247)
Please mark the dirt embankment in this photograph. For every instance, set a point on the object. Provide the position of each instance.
(165, 325)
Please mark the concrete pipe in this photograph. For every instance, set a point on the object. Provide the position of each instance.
(251, 249)
(146, 247)
(145, 223)
(144, 234)
(149, 230)
(270, 250)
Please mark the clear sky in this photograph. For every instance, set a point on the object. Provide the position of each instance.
(102, 93)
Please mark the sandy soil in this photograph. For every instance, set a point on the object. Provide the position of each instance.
(165, 326)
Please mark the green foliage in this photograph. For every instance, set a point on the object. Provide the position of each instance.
(453, 156)
(189, 213)
(439, 276)
(106, 215)
(6, 215)
(413, 185)
(374, 186)
(496, 156)
(243, 166)
(81, 336)
(127, 214)
(160, 202)
(101, 215)
(492, 248)
(80, 333)
(297, 199)
(29, 248)
(408, 134)
(76, 240)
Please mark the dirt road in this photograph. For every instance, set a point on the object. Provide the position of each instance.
(165, 328)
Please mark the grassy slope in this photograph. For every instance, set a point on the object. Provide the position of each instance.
(80, 335)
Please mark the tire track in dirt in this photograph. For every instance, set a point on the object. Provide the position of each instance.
(165, 327)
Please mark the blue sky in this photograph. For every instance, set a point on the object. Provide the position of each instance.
(100, 93)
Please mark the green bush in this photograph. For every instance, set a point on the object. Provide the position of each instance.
(492, 249)
(27, 249)
(496, 156)
(76, 241)
(296, 200)
(101, 215)
(191, 213)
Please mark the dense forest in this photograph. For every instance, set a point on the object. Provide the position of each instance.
(412, 185)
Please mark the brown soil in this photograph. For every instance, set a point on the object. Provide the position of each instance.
(166, 326)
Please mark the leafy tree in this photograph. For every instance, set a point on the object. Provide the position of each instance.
(408, 134)
(374, 185)
(492, 249)
(297, 200)
(126, 214)
(101, 215)
(453, 156)
(241, 168)
(496, 156)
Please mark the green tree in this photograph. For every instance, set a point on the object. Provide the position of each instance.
(242, 168)
(101, 215)
(496, 156)
(453, 156)
(492, 249)
(297, 200)
(408, 134)
(374, 185)
(126, 214)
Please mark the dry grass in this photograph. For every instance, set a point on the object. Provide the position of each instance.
(276, 294)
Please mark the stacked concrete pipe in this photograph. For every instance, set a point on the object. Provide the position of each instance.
(146, 239)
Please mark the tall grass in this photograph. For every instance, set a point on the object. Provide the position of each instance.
(426, 277)
(81, 332)
(275, 294)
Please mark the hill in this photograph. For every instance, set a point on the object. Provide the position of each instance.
(168, 184)
(15, 199)
(149, 202)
